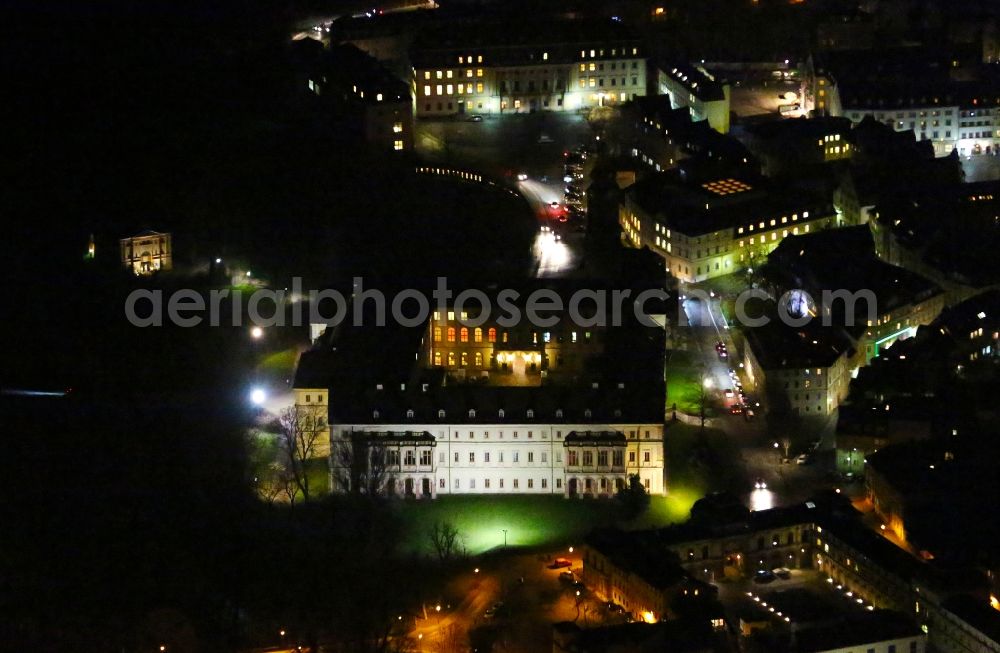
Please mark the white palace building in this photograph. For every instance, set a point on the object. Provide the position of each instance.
(454, 409)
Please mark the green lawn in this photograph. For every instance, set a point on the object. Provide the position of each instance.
(531, 521)
(684, 379)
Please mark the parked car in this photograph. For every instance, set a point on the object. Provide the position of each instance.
(567, 576)
(736, 409)
(760, 484)
(728, 392)
(560, 563)
(803, 459)
(764, 576)
(782, 572)
(475, 118)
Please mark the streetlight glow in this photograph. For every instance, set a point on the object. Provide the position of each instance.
(256, 333)
(258, 396)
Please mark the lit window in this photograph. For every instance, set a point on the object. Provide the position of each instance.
(427, 89)
(477, 335)
(397, 145)
(545, 56)
(464, 335)
(427, 74)
(479, 59)
(461, 59)
(378, 97)
(491, 335)
(449, 74)
(451, 334)
(439, 89)
(450, 89)
(468, 73)
(479, 87)
(397, 127)
(479, 71)
(438, 74)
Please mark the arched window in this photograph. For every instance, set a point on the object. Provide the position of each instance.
(437, 358)
(451, 359)
(465, 359)
(477, 335)
(463, 335)
(437, 334)
(440, 414)
(559, 413)
(500, 413)
(472, 413)
(409, 414)
(451, 334)
(375, 414)
(587, 413)
(479, 359)
(531, 414)
(491, 335)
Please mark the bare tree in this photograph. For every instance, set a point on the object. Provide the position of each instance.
(300, 442)
(271, 482)
(452, 640)
(445, 538)
(361, 465)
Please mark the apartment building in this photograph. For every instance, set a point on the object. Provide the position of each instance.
(706, 223)
(566, 65)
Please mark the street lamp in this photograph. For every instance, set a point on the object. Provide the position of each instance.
(256, 333)
(258, 396)
(504, 537)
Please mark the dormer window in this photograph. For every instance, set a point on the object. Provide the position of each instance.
(375, 414)
(531, 414)
(423, 386)
(409, 414)
(594, 385)
(472, 413)
(618, 412)
(621, 386)
(587, 413)
(559, 413)
(378, 386)
(500, 413)
(440, 414)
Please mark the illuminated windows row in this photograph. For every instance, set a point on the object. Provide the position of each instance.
(450, 74)
(450, 89)
(774, 221)
(600, 52)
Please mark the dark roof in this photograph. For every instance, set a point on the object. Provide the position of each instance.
(638, 553)
(857, 630)
(675, 636)
(799, 128)
(939, 224)
(679, 198)
(506, 42)
(815, 262)
(977, 614)
(779, 346)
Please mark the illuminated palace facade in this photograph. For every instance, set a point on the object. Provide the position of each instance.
(487, 409)
(566, 66)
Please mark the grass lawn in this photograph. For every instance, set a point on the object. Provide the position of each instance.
(530, 520)
(684, 379)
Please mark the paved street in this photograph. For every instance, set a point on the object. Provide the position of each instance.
(509, 146)
(533, 597)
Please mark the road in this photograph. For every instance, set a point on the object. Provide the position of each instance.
(509, 146)
(787, 483)
(534, 598)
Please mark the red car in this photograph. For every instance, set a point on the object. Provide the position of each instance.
(559, 563)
